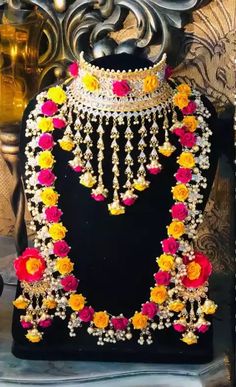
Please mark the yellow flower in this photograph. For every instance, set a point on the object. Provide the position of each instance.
(190, 338)
(180, 192)
(191, 123)
(176, 229)
(49, 303)
(193, 270)
(66, 144)
(64, 265)
(139, 320)
(45, 159)
(45, 124)
(90, 82)
(141, 184)
(158, 294)
(186, 160)
(57, 231)
(209, 307)
(34, 336)
(181, 100)
(33, 265)
(87, 180)
(184, 88)
(176, 306)
(57, 95)
(101, 320)
(166, 262)
(166, 149)
(76, 302)
(49, 197)
(150, 84)
(115, 208)
(21, 302)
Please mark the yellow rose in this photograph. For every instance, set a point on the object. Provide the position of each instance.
(139, 320)
(34, 336)
(21, 302)
(49, 197)
(101, 320)
(150, 83)
(158, 294)
(87, 180)
(166, 262)
(180, 192)
(193, 270)
(176, 306)
(190, 338)
(49, 303)
(57, 95)
(90, 82)
(115, 208)
(166, 149)
(45, 160)
(186, 160)
(76, 302)
(141, 184)
(64, 265)
(33, 265)
(176, 229)
(184, 88)
(66, 144)
(45, 124)
(57, 231)
(191, 123)
(209, 307)
(181, 100)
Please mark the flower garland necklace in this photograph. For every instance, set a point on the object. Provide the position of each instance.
(49, 288)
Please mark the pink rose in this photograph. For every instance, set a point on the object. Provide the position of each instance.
(78, 168)
(45, 323)
(74, 69)
(179, 131)
(119, 323)
(98, 197)
(129, 201)
(61, 248)
(179, 327)
(46, 141)
(149, 309)
(184, 175)
(188, 139)
(58, 123)
(46, 177)
(206, 269)
(162, 278)
(168, 71)
(86, 314)
(170, 245)
(179, 211)
(26, 324)
(121, 88)
(203, 328)
(69, 283)
(190, 109)
(53, 214)
(49, 108)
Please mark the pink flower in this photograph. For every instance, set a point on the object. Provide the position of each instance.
(45, 323)
(129, 201)
(179, 211)
(46, 177)
(190, 109)
(153, 170)
(69, 283)
(74, 69)
(179, 327)
(61, 248)
(53, 214)
(188, 139)
(121, 88)
(26, 324)
(49, 108)
(170, 245)
(184, 175)
(27, 272)
(162, 278)
(149, 309)
(78, 168)
(168, 71)
(86, 314)
(179, 131)
(205, 271)
(119, 323)
(45, 141)
(58, 123)
(98, 197)
(203, 328)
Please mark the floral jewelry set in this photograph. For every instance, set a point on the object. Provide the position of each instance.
(102, 102)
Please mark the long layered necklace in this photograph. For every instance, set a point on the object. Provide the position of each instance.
(95, 100)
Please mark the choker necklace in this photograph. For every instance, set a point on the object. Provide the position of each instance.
(49, 288)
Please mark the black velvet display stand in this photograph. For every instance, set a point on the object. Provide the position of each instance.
(115, 256)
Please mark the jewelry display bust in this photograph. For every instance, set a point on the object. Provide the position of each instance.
(114, 257)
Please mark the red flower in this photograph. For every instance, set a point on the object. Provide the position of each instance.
(184, 175)
(45, 323)
(26, 324)
(203, 328)
(119, 323)
(198, 271)
(46, 141)
(98, 197)
(188, 139)
(170, 245)
(149, 309)
(129, 201)
(179, 131)
(86, 314)
(74, 69)
(49, 108)
(46, 177)
(162, 278)
(190, 109)
(53, 214)
(179, 327)
(69, 283)
(58, 123)
(121, 88)
(61, 248)
(179, 211)
(30, 266)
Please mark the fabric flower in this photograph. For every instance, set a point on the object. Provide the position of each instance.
(64, 265)
(165, 262)
(121, 88)
(90, 82)
(190, 123)
(179, 131)
(45, 323)
(162, 278)
(49, 108)
(158, 294)
(58, 123)
(45, 124)
(184, 88)
(180, 325)
(49, 197)
(57, 95)
(170, 245)
(203, 328)
(115, 208)
(198, 271)
(139, 320)
(150, 83)
(74, 69)
(119, 323)
(209, 307)
(61, 248)
(46, 177)
(186, 160)
(101, 320)
(184, 175)
(180, 192)
(34, 336)
(57, 231)
(69, 283)
(181, 100)
(26, 324)
(179, 211)
(188, 139)
(30, 266)
(141, 184)
(86, 314)
(190, 338)
(176, 306)
(45, 159)
(66, 144)
(49, 303)
(190, 109)
(45, 141)
(176, 229)
(76, 302)
(149, 309)
(87, 180)
(21, 302)
(53, 214)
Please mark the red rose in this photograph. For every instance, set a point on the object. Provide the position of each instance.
(198, 271)
(53, 214)
(170, 245)
(74, 69)
(162, 278)
(190, 109)
(86, 314)
(46, 177)
(188, 139)
(179, 211)
(46, 141)
(49, 108)
(30, 266)
(58, 123)
(184, 175)
(61, 248)
(119, 323)
(121, 88)
(69, 283)
(149, 309)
